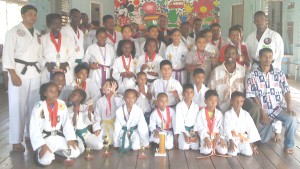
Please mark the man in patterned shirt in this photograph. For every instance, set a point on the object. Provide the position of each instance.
(269, 89)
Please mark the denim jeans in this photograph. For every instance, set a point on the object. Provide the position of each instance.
(288, 121)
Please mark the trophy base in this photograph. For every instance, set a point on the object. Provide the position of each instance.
(142, 156)
(160, 155)
(107, 154)
(68, 162)
(89, 157)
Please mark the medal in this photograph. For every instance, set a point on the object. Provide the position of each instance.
(42, 114)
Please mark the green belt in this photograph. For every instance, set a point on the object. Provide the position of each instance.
(79, 133)
(78, 61)
(189, 128)
(123, 138)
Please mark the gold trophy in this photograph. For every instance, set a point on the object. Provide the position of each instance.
(151, 67)
(193, 136)
(88, 156)
(57, 63)
(161, 150)
(107, 153)
(68, 162)
(143, 155)
(78, 82)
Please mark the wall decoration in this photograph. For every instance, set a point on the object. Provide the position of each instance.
(146, 12)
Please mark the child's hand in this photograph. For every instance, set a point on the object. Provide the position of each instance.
(254, 149)
(113, 87)
(97, 132)
(207, 142)
(90, 108)
(130, 74)
(144, 66)
(49, 66)
(186, 138)
(94, 66)
(64, 66)
(175, 94)
(231, 146)
(223, 143)
(43, 150)
(155, 133)
(72, 143)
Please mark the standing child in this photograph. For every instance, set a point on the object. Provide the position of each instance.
(88, 85)
(100, 56)
(176, 52)
(113, 36)
(209, 46)
(131, 130)
(210, 126)
(162, 119)
(127, 31)
(125, 66)
(82, 116)
(149, 62)
(105, 111)
(51, 130)
(199, 58)
(239, 127)
(153, 33)
(199, 87)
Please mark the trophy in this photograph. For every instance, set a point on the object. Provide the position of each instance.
(88, 156)
(68, 162)
(143, 155)
(193, 136)
(107, 153)
(78, 82)
(161, 150)
(151, 67)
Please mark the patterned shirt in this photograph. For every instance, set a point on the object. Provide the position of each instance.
(225, 83)
(269, 89)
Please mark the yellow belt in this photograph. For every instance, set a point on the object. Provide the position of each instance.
(239, 135)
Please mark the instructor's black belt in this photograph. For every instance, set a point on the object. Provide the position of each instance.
(52, 133)
(27, 64)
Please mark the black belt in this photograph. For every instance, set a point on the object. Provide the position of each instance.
(159, 129)
(24, 70)
(151, 80)
(52, 133)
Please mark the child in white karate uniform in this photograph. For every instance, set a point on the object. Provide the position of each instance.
(153, 32)
(210, 126)
(162, 119)
(131, 130)
(51, 130)
(240, 130)
(127, 32)
(113, 36)
(199, 87)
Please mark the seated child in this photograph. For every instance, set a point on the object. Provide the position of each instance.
(131, 130)
(210, 126)
(240, 130)
(199, 87)
(64, 91)
(162, 119)
(82, 116)
(51, 130)
(185, 128)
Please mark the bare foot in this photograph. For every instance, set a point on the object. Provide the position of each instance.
(18, 147)
(277, 138)
(289, 150)
(254, 149)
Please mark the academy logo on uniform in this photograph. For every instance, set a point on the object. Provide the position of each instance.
(267, 41)
(20, 32)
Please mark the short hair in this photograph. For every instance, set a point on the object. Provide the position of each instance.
(162, 94)
(26, 8)
(120, 45)
(204, 31)
(84, 14)
(107, 17)
(101, 30)
(188, 86)
(198, 71)
(126, 26)
(51, 17)
(165, 62)
(111, 80)
(237, 94)
(80, 67)
(82, 94)
(73, 11)
(215, 25)
(44, 87)
(263, 50)
(58, 74)
(210, 93)
(197, 20)
(185, 23)
(148, 40)
(131, 91)
(175, 30)
(238, 26)
(229, 47)
(150, 27)
(234, 28)
(259, 13)
(199, 37)
(140, 74)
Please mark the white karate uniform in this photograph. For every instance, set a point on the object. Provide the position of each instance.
(136, 45)
(142, 101)
(140, 136)
(20, 44)
(244, 125)
(105, 117)
(155, 63)
(199, 96)
(65, 93)
(177, 55)
(101, 55)
(124, 83)
(224, 41)
(203, 131)
(92, 91)
(82, 123)
(167, 86)
(269, 39)
(161, 48)
(41, 121)
(49, 54)
(156, 124)
(186, 117)
(77, 43)
(89, 38)
(118, 36)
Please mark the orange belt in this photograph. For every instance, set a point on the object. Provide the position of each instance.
(239, 135)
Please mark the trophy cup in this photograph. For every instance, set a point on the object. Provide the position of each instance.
(193, 136)
(88, 156)
(151, 67)
(107, 153)
(57, 64)
(68, 162)
(78, 82)
(143, 155)
(161, 151)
